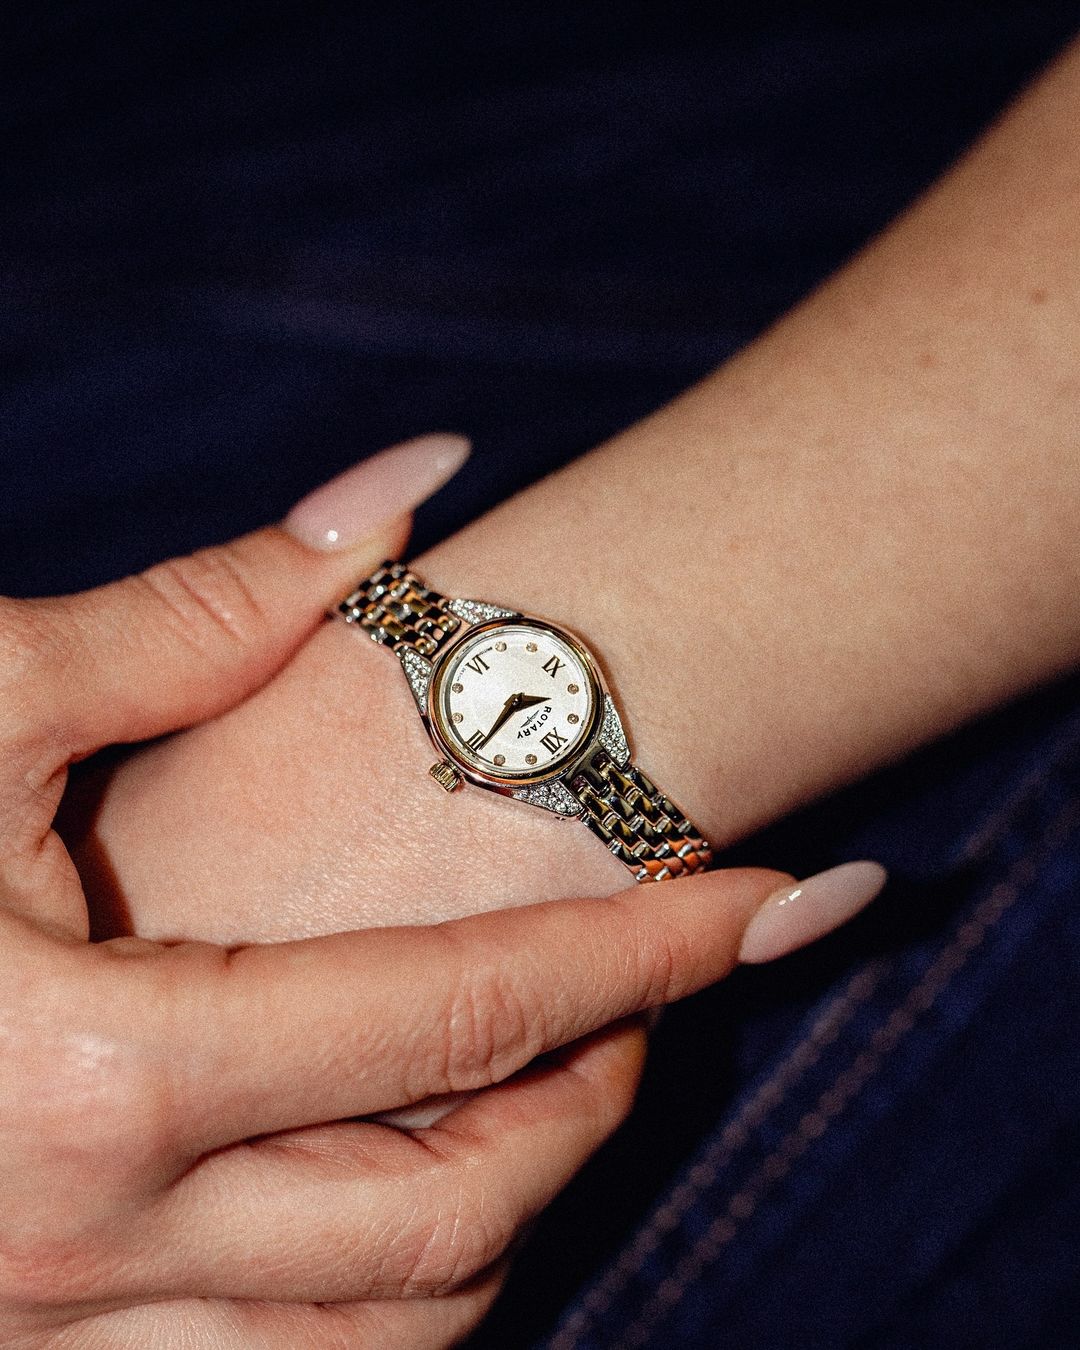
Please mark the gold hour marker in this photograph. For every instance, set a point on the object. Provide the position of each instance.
(530, 759)
(572, 717)
(530, 646)
(500, 646)
(500, 759)
(456, 688)
(457, 717)
(571, 689)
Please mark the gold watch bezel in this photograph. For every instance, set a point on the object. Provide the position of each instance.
(446, 743)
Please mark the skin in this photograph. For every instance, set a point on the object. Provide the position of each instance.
(176, 1165)
(853, 537)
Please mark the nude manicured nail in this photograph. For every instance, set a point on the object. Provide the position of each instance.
(795, 915)
(356, 502)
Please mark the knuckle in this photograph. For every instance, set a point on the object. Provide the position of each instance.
(82, 1146)
(663, 960)
(105, 1111)
(32, 662)
(637, 960)
(84, 1117)
(27, 639)
(79, 1101)
(49, 1271)
(207, 596)
(612, 1089)
(656, 959)
(490, 1030)
(465, 1237)
(600, 1106)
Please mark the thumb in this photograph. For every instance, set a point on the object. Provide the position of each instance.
(193, 636)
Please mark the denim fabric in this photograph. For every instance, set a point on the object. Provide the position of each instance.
(240, 248)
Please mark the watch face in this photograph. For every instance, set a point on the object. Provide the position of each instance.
(515, 700)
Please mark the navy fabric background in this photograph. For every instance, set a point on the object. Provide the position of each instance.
(243, 246)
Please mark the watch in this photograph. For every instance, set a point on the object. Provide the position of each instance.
(517, 705)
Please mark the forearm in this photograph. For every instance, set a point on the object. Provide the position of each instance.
(862, 530)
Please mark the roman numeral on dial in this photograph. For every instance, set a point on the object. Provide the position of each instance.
(478, 665)
(552, 741)
(553, 665)
(476, 740)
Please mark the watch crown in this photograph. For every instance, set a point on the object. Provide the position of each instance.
(445, 775)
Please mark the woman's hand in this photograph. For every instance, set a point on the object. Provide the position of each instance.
(167, 1172)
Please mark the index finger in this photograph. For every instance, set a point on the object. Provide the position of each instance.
(270, 1037)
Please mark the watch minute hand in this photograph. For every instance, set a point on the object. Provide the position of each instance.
(512, 704)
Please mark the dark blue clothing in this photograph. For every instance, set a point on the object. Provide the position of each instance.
(241, 248)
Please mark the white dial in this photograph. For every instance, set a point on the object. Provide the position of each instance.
(514, 700)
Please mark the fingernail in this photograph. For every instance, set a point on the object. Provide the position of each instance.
(795, 915)
(353, 505)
